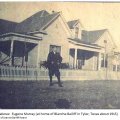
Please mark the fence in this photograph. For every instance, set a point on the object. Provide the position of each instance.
(21, 73)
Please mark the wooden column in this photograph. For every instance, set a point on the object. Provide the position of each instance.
(38, 55)
(93, 62)
(11, 53)
(99, 61)
(69, 59)
(75, 59)
(116, 67)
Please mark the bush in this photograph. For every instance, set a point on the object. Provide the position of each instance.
(43, 64)
(62, 65)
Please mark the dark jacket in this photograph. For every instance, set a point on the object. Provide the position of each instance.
(54, 60)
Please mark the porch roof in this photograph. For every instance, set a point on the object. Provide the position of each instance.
(79, 42)
(19, 37)
(89, 47)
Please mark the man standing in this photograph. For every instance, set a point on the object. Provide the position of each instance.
(54, 60)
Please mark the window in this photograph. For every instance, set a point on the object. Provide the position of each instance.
(76, 32)
(104, 60)
(58, 48)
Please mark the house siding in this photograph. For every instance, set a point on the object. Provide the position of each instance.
(108, 48)
(57, 35)
(32, 56)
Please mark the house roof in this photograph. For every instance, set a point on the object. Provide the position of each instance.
(72, 23)
(36, 22)
(91, 36)
(7, 26)
(40, 21)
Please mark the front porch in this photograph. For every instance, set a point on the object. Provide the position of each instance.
(85, 60)
(85, 57)
(18, 49)
(91, 57)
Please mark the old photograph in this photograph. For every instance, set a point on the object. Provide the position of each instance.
(59, 55)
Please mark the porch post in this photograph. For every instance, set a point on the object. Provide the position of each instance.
(38, 55)
(93, 62)
(75, 59)
(99, 61)
(116, 67)
(11, 53)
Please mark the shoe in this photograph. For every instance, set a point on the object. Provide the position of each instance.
(51, 84)
(60, 85)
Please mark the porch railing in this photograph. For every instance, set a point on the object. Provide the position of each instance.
(12, 73)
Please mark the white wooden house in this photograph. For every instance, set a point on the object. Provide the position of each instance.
(31, 40)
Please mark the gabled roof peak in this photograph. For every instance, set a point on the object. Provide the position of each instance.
(72, 23)
(37, 22)
(44, 13)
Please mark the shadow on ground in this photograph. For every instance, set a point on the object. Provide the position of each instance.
(74, 95)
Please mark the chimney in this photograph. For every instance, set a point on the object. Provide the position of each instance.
(53, 11)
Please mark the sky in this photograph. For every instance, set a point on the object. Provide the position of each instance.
(92, 15)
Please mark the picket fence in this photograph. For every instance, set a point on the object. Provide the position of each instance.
(33, 73)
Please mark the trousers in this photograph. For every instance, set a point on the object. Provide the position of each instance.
(55, 72)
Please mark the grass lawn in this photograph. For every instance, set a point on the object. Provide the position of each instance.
(74, 95)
